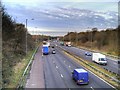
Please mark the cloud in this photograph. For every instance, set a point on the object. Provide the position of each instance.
(64, 16)
(26, 1)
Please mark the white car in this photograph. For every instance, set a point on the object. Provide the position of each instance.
(53, 51)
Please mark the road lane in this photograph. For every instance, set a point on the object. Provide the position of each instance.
(112, 65)
(54, 71)
(52, 77)
(94, 81)
(36, 78)
(64, 65)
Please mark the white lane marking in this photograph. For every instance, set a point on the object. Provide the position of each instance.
(61, 75)
(53, 61)
(30, 71)
(69, 66)
(33, 84)
(92, 88)
(102, 79)
(114, 63)
(56, 66)
(64, 61)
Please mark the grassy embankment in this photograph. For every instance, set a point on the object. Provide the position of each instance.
(108, 50)
(18, 70)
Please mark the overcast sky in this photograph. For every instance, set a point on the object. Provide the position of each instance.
(55, 16)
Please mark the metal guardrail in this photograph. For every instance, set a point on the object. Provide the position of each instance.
(106, 75)
(22, 81)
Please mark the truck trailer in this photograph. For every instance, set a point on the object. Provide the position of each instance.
(99, 58)
(80, 76)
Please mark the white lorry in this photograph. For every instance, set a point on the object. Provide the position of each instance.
(99, 58)
(68, 44)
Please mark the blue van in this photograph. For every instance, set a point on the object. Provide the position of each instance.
(45, 49)
(80, 76)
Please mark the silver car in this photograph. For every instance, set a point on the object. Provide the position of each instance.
(53, 51)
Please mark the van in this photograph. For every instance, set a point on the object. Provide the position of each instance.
(80, 76)
(99, 58)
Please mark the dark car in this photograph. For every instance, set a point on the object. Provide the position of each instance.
(52, 46)
(88, 53)
(118, 61)
(53, 51)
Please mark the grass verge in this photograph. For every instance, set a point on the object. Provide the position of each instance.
(18, 70)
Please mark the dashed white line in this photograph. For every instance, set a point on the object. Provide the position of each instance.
(61, 75)
(69, 89)
(69, 66)
(114, 63)
(92, 88)
(33, 84)
(53, 61)
(56, 66)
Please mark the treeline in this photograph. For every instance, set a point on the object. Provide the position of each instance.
(104, 40)
(13, 45)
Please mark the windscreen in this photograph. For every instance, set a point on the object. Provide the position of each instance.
(102, 59)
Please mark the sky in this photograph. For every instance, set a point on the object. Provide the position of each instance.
(59, 17)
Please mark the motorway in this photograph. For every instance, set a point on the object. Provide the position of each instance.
(111, 66)
(57, 70)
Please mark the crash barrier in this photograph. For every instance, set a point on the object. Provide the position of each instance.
(95, 69)
(26, 72)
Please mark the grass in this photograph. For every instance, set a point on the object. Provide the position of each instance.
(88, 65)
(18, 70)
(111, 50)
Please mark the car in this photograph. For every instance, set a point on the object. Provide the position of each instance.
(53, 51)
(118, 61)
(52, 46)
(56, 45)
(88, 53)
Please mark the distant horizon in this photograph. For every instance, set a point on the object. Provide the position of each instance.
(59, 33)
(63, 16)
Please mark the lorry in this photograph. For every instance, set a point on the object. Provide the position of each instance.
(80, 76)
(68, 44)
(46, 43)
(99, 58)
(45, 49)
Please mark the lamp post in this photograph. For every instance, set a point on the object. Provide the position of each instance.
(26, 21)
(26, 36)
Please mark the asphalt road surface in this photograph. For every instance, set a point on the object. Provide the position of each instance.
(112, 64)
(36, 77)
(57, 70)
(54, 71)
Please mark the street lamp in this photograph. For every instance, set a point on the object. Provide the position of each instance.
(26, 21)
(90, 36)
